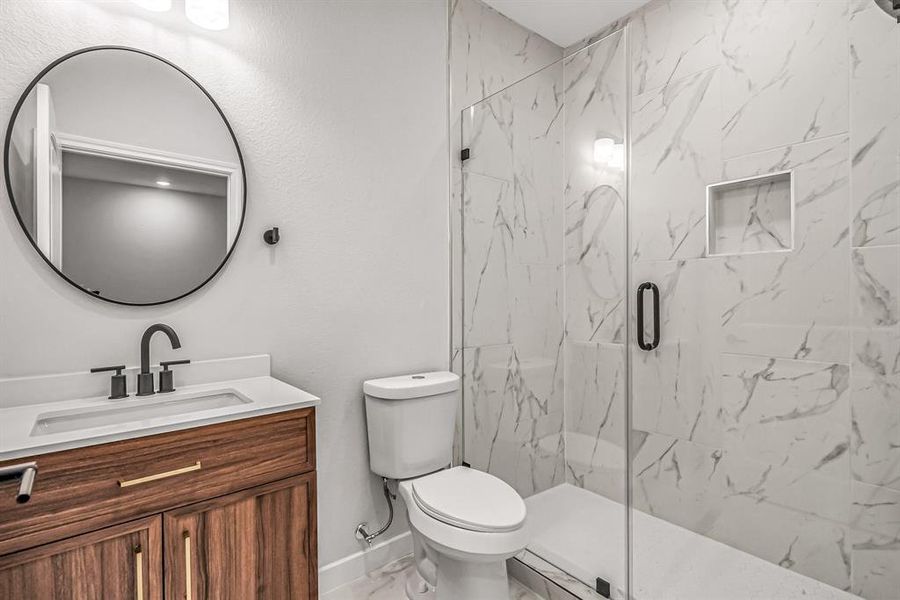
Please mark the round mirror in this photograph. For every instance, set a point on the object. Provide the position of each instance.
(125, 175)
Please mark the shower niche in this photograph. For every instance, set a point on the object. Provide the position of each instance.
(750, 215)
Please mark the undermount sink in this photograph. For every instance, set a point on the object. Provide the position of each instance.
(134, 410)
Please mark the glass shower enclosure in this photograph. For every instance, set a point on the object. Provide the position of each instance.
(544, 305)
(743, 439)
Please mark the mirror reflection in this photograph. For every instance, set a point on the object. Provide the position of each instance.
(125, 176)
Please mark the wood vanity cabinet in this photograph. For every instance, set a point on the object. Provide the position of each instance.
(221, 512)
(123, 561)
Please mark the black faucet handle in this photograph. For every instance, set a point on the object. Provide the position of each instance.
(117, 383)
(165, 364)
(118, 369)
(166, 378)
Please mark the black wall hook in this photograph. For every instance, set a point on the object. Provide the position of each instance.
(272, 236)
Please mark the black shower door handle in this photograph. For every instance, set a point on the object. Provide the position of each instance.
(640, 316)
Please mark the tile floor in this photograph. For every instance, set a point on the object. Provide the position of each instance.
(388, 583)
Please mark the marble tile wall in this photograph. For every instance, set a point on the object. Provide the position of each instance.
(543, 276)
(769, 417)
(511, 253)
(488, 53)
(596, 107)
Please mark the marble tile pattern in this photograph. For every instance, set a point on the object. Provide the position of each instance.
(512, 253)
(389, 583)
(769, 416)
(488, 52)
(595, 108)
(753, 216)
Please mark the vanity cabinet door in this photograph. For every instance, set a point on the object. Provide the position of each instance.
(122, 562)
(256, 544)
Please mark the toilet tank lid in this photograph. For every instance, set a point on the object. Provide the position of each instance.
(417, 385)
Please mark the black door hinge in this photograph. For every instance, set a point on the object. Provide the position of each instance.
(464, 154)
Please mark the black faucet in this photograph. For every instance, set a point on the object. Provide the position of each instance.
(145, 377)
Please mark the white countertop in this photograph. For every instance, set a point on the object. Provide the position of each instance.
(262, 395)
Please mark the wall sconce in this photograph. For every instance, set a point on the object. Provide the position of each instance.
(154, 5)
(608, 153)
(209, 14)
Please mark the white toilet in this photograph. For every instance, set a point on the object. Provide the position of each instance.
(465, 523)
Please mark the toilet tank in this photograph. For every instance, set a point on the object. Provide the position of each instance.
(410, 421)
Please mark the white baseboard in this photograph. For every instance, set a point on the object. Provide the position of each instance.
(358, 564)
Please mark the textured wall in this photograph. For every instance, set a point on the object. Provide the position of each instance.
(358, 285)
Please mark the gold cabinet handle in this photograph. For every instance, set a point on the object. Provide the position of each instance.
(139, 572)
(147, 479)
(188, 583)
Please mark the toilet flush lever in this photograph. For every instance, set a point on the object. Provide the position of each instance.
(25, 474)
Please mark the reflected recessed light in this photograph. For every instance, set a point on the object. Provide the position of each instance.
(209, 14)
(163, 183)
(154, 5)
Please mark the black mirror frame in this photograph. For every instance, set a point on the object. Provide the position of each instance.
(6, 173)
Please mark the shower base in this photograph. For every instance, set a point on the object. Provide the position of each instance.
(579, 536)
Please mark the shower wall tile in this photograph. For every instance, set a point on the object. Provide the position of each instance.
(516, 136)
(796, 305)
(504, 299)
(787, 413)
(676, 385)
(662, 54)
(488, 134)
(595, 417)
(675, 480)
(676, 152)
(876, 286)
(595, 250)
(875, 126)
(794, 91)
(811, 493)
(513, 423)
(814, 547)
(489, 52)
(875, 554)
(537, 137)
(486, 256)
(875, 405)
(512, 251)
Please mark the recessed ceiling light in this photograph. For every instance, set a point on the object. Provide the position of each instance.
(154, 5)
(208, 14)
(163, 183)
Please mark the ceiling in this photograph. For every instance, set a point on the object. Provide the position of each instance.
(564, 22)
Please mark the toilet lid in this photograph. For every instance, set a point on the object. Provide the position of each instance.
(469, 499)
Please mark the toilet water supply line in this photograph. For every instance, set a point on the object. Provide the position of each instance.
(361, 533)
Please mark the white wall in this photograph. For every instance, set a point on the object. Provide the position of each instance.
(98, 94)
(340, 109)
(137, 243)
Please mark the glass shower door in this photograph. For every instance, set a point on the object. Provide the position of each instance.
(765, 427)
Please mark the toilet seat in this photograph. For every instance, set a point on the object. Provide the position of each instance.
(461, 543)
(469, 499)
